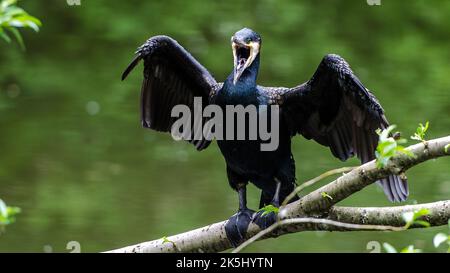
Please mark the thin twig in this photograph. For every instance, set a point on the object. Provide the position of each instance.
(313, 221)
(314, 181)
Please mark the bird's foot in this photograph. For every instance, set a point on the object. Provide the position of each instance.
(237, 226)
(264, 218)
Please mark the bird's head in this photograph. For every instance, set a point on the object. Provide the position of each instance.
(246, 44)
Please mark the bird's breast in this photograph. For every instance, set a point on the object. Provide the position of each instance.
(239, 94)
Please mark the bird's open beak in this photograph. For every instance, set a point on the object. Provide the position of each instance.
(244, 55)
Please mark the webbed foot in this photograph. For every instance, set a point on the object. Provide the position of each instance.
(264, 219)
(237, 226)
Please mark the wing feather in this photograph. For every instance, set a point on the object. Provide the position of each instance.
(171, 77)
(336, 110)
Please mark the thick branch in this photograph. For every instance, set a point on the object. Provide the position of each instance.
(213, 238)
(357, 219)
(356, 180)
(438, 216)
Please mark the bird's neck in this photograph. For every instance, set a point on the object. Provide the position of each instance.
(247, 80)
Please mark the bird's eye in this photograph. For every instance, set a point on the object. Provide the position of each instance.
(248, 40)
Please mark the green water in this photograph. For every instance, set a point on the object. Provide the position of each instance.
(74, 157)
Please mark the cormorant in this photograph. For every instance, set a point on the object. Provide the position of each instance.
(333, 108)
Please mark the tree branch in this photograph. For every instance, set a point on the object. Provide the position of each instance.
(212, 238)
(354, 219)
(330, 224)
(361, 177)
(439, 213)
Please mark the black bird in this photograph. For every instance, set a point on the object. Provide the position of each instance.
(333, 108)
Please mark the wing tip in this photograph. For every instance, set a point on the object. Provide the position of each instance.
(131, 66)
(395, 188)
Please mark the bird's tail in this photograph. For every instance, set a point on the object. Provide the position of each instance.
(395, 188)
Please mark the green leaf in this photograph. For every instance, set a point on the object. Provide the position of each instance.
(13, 17)
(18, 37)
(439, 239)
(422, 223)
(268, 209)
(7, 214)
(410, 249)
(166, 240)
(388, 147)
(326, 195)
(13, 211)
(420, 213)
(408, 217)
(6, 3)
(411, 218)
(4, 36)
(420, 132)
(3, 209)
(26, 20)
(405, 151)
(13, 11)
(389, 248)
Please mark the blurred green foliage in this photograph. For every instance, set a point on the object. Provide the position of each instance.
(409, 249)
(410, 218)
(76, 160)
(442, 238)
(414, 218)
(7, 215)
(13, 17)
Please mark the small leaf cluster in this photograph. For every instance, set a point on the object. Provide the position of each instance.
(12, 18)
(409, 249)
(326, 195)
(413, 218)
(166, 240)
(438, 240)
(268, 209)
(388, 147)
(420, 132)
(7, 215)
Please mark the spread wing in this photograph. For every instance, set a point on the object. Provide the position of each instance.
(171, 77)
(336, 110)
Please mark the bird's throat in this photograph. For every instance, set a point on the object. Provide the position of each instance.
(249, 76)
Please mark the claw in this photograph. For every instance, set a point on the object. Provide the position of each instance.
(264, 221)
(237, 225)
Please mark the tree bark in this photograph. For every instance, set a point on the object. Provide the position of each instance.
(212, 238)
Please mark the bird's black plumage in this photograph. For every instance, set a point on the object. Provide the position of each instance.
(171, 77)
(336, 110)
(333, 108)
